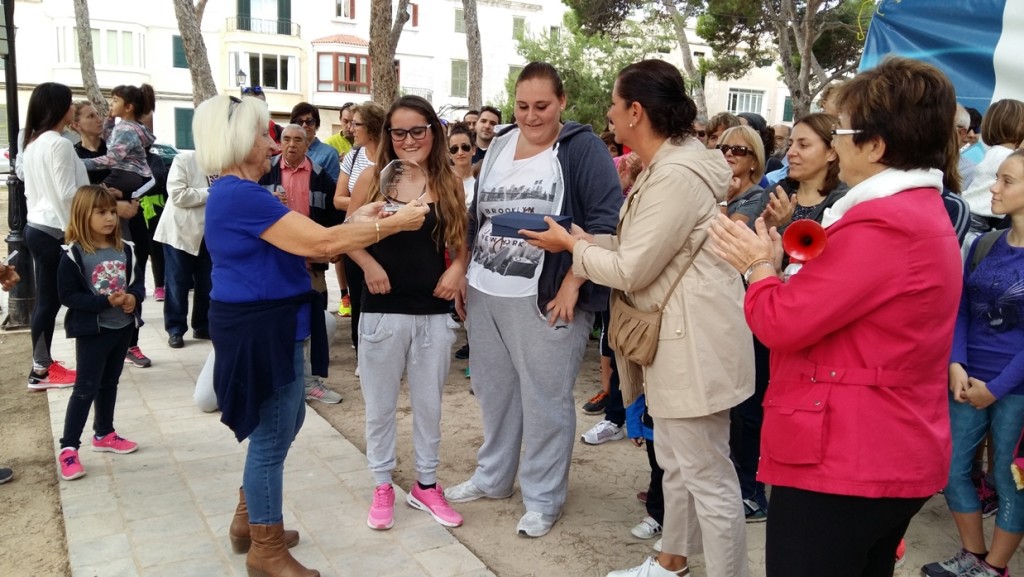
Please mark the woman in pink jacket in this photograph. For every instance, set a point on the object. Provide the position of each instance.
(856, 423)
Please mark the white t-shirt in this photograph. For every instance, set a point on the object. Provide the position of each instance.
(508, 266)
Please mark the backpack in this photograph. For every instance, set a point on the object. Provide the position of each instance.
(984, 245)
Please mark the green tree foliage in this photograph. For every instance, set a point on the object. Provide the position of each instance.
(588, 65)
(815, 41)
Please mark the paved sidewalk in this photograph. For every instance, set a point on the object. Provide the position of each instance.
(164, 510)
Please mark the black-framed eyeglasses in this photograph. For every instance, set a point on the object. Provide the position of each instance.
(464, 147)
(254, 90)
(305, 122)
(417, 133)
(735, 149)
(235, 101)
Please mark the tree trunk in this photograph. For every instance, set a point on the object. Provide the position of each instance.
(203, 86)
(200, 9)
(696, 83)
(384, 35)
(476, 59)
(85, 57)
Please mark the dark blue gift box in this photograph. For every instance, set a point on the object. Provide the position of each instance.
(510, 223)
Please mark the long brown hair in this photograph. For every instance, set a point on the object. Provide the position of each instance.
(86, 199)
(441, 178)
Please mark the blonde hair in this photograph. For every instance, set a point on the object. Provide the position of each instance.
(225, 129)
(753, 141)
(88, 198)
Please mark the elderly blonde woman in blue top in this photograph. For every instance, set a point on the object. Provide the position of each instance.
(261, 313)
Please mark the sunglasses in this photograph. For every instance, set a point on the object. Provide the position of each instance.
(417, 133)
(464, 147)
(305, 122)
(736, 150)
(235, 101)
(256, 90)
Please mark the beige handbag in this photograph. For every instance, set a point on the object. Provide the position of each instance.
(634, 333)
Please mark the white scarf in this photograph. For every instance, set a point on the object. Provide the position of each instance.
(886, 183)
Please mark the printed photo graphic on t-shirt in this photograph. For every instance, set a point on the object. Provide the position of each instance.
(1004, 309)
(508, 266)
(109, 277)
(508, 256)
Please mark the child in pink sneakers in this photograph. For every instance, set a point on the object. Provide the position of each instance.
(404, 320)
(102, 286)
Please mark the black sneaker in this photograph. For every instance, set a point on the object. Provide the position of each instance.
(463, 353)
(5, 475)
(135, 357)
(596, 404)
(201, 334)
(175, 341)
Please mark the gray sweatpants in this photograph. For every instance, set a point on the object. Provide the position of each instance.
(523, 372)
(388, 345)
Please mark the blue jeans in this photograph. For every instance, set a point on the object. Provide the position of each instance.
(281, 417)
(1005, 419)
(182, 272)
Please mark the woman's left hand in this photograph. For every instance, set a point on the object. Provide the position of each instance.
(554, 239)
(741, 247)
(8, 277)
(977, 394)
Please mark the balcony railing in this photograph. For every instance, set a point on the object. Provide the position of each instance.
(260, 26)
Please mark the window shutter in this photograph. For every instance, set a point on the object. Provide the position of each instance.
(284, 17)
(244, 15)
(178, 51)
(183, 129)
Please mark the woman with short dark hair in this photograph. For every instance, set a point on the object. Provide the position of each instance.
(856, 433)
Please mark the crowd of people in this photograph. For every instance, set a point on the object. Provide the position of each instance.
(831, 403)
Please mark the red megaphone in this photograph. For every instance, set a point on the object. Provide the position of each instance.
(804, 240)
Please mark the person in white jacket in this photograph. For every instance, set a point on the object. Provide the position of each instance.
(52, 174)
(187, 261)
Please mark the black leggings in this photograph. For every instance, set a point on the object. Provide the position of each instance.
(812, 534)
(46, 253)
(356, 281)
(134, 229)
(99, 362)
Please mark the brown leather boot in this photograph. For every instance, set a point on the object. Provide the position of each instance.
(268, 556)
(239, 530)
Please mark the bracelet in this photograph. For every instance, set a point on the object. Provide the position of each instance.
(376, 225)
(755, 265)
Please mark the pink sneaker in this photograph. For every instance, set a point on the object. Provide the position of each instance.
(113, 443)
(59, 376)
(159, 294)
(432, 501)
(382, 512)
(70, 466)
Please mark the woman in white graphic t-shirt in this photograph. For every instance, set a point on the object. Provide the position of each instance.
(528, 317)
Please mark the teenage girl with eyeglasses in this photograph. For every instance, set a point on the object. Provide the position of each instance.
(405, 320)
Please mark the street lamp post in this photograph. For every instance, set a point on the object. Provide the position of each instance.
(240, 78)
(22, 296)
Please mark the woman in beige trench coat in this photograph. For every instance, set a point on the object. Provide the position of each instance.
(705, 361)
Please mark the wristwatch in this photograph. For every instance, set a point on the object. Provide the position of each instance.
(750, 269)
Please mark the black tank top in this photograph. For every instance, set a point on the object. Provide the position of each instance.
(414, 263)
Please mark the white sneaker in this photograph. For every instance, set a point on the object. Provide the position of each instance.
(657, 546)
(534, 524)
(466, 491)
(357, 370)
(646, 529)
(649, 568)
(603, 432)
